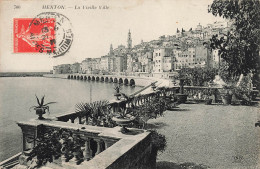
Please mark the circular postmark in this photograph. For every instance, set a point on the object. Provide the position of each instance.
(54, 35)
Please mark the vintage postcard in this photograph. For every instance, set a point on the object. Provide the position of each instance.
(135, 84)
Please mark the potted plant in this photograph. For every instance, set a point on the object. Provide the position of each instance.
(181, 97)
(97, 111)
(47, 149)
(226, 94)
(208, 100)
(153, 86)
(117, 89)
(41, 107)
(123, 118)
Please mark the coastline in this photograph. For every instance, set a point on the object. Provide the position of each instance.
(23, 74)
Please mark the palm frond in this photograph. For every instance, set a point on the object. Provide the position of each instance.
(42, 101)
(32, 107)
(38, 100)
(49, 103)
(80, 107)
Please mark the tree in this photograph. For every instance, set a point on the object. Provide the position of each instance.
(239, 48)
(190, 30)
(178, 30)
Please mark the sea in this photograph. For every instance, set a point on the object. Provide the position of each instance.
(17, 95)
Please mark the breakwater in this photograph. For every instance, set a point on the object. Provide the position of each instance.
(22, 74)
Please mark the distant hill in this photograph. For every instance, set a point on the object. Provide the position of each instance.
(22, 74)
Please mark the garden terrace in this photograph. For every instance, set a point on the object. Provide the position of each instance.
(103, 148)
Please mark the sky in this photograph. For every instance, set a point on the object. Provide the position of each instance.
(94, 30)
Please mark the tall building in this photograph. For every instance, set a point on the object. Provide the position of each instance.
(75, 68)
(163, 60)
(62, 69)
(203, 56)
(90, 64)
(111, 52)
(119, 64)
(129, 40)
(146, 61)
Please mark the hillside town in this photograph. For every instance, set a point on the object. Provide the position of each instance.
(158, 58)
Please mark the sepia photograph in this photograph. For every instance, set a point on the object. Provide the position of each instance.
(130, 84)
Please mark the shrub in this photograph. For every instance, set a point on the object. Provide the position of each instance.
(197, 76)
(159, 142)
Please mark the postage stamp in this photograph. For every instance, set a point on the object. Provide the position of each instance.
(36, 37)
(48, 32)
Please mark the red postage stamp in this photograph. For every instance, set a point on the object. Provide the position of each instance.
(34, 35)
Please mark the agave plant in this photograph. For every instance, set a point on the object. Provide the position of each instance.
(41, 107)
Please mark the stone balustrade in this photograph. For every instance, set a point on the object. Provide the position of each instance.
(112, 148)
(116, 105)
(200, 92)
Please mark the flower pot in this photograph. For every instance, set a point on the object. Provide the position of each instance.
(153, 87)
(123, 122)
(226, 98)
(226, 95)
(40, 112)
(181, 98)
(117, 96)
(208, 101)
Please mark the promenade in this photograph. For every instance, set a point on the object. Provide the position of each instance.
(214, 136)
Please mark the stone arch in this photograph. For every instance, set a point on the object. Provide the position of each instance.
(115, 80)
(77, 77)
(126, 82)
(68, 77)
(111, 80)
(89, 78)
(71, 76)
(97, 78)
(81, 77)
(102, 79)
(93, 78)
(106, 79)
(132, 82)
(120, 81)
(85, 77)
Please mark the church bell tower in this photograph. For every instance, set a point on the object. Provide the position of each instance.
(129, 40)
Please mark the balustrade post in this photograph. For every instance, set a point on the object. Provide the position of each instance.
(181, 86)
(108, 143)
(80, 120)
(87, 152)
(72, 120)
(98, 147)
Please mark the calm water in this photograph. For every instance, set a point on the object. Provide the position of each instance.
(17, 95)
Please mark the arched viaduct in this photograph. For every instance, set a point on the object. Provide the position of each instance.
(126, 80)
